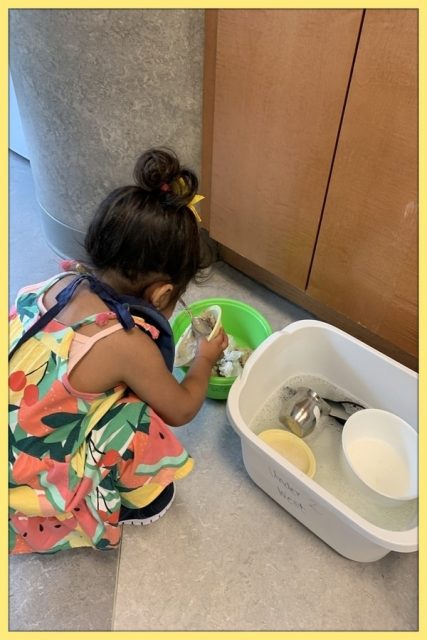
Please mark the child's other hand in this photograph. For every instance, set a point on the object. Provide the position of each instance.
(213, 349)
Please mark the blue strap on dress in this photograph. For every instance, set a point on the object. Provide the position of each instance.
(123, 306)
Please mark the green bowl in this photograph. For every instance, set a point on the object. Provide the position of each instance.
(247, 325)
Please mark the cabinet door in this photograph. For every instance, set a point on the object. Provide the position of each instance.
(365, 263)
(280, 86)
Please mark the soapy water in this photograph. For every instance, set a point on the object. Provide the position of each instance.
(325, 442)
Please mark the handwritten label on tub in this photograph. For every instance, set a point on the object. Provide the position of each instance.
(292, 496)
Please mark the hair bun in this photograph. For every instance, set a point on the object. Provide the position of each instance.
(156, 167)
(159, 166)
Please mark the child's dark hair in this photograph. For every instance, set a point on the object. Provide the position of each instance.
(146, 229)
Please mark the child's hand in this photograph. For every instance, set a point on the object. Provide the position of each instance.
(213, 349)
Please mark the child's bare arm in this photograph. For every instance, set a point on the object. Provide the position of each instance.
(141, 366)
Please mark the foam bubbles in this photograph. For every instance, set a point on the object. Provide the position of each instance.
(325, 442)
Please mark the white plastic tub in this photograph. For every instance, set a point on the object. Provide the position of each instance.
(319, 349)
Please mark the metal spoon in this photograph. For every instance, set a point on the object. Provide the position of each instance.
(200, 326)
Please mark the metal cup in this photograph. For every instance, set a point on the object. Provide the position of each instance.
(301, 412)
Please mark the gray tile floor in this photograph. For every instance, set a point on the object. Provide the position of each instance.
(226, 556)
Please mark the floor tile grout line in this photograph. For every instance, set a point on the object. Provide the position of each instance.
(116, 584)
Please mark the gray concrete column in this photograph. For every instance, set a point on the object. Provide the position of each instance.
(95, 88)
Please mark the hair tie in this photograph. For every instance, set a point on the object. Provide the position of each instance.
(73, 265)
(165, 187)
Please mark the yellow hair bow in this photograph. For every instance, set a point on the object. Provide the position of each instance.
(192, 204)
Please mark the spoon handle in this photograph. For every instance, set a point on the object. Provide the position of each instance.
(200, 326)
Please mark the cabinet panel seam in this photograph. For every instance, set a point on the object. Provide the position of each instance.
(356, 48)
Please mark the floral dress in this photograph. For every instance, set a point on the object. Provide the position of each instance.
(75, 458)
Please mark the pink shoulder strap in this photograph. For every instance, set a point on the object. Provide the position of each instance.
(82, 344)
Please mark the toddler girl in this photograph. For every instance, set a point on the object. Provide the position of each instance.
(91, 389)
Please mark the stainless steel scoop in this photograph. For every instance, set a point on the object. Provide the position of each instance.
(200, 326)
(302, 410)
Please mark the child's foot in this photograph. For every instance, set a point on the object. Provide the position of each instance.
(152, 512)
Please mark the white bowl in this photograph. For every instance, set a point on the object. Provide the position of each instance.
(380, 456)
(186, 347)
(216, 311)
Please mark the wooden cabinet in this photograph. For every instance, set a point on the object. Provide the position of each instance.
(365, 262)
(310, 161)
(281, 80)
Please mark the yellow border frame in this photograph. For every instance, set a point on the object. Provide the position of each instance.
(115, 4)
